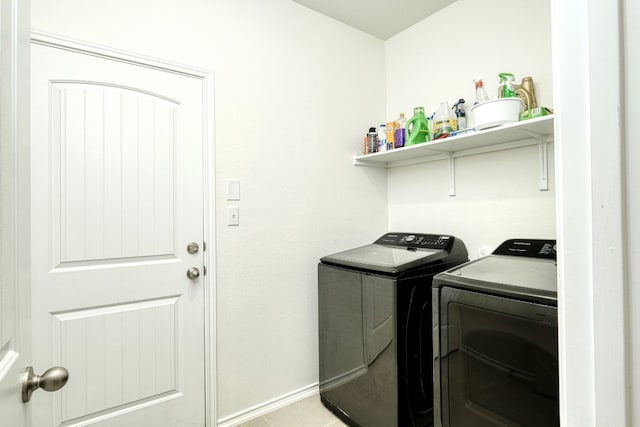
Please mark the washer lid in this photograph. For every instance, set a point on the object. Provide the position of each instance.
(534, 273)
(385, 259)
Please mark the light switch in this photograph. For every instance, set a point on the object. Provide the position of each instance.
(233, 189)
(233, 215)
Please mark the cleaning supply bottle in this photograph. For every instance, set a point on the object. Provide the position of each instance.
(481, 92)
(461, 116)
(372, 141)
(389, 134)
(444, 122)
(505, 88)
(382, 138)
(417, 127)
(399, 133)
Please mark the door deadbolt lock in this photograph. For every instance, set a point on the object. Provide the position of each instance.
(193, 273)
(53, 379)
(193, 248)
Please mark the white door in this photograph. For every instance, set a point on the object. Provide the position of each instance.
(15, 334)
(117, 196)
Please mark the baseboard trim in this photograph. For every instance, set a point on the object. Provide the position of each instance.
(268, 406)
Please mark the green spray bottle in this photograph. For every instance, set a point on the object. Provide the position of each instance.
(505, 88)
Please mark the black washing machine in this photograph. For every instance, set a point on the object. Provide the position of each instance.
(375, 328)
(495, 339)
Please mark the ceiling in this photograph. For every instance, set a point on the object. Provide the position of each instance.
(380, 18)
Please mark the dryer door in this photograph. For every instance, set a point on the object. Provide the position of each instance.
(499, 361)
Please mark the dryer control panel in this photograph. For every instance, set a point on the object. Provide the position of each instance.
(416, 240)
(533, 248)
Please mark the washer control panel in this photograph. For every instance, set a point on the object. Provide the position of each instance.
(416, 240)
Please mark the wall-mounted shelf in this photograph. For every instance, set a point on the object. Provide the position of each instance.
(518, 134)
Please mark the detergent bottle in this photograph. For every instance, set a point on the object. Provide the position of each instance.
(444, 121)
(417, 127)
(399, 134)
(505, 88)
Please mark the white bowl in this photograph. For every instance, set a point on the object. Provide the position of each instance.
(496, 112)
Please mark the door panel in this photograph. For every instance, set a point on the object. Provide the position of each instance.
(117, 194)
(115, 150)
(136, 339)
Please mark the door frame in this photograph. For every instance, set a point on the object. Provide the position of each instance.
(594, 233)
(208, 163)
(15, 205)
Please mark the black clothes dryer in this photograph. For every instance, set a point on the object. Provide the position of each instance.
(496, 339)
(375, 328)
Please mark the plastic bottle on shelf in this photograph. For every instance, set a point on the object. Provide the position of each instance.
(382, 137)
(444, 122)
(481, 92)
(372, 141)
(505, 87)
(417, 128)
(461, 116)
(399, 133)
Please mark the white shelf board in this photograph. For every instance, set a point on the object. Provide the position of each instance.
(538, 128)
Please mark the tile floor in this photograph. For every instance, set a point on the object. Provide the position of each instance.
(309, 412)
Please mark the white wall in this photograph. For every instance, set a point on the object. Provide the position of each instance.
(439, 57)
(497, 195)
(294, 95)
(631, 85)
(279, 66)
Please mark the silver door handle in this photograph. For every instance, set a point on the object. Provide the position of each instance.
(193, 248)
(193, 273)
(53, 379)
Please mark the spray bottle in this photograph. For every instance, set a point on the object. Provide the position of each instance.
(481, 92)
(460, 114)
(505, 88)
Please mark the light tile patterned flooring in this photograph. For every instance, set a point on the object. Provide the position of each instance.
(309, 412)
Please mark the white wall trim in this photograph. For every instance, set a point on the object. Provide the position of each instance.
(88, 48)
(269, 406)
(208, 159)
(210, 292)
(631, 153)
(592, 286)
(609, 235)
(15, 197)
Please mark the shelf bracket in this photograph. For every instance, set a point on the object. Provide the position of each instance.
(452, 175)
(543, 164)
(357, 162)
(543, 159)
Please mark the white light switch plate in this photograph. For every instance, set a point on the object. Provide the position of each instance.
(233, 189)
(233, 215)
